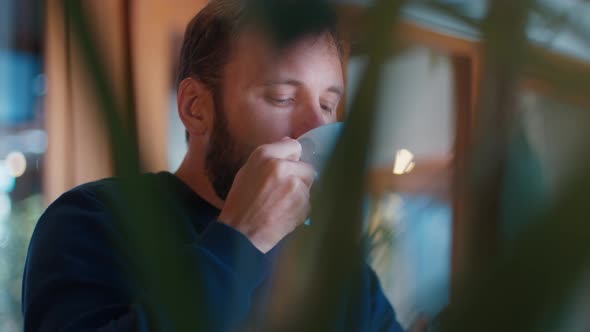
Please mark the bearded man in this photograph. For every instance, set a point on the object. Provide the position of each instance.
(243, 96)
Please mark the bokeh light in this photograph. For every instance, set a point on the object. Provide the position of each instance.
(16, 164)
(403, 162)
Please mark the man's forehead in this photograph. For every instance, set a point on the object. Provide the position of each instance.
(256, 50)
(260, 42)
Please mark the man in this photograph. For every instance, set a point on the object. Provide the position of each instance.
(240, 191)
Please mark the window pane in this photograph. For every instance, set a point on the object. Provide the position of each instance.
(557, 132)
(410, 210)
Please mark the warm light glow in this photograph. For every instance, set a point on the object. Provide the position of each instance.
(403, 162)
(16, 164)
(410, 167)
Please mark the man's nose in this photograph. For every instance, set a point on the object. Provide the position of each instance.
(309, 118)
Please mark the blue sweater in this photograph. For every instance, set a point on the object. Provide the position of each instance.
(81, 273)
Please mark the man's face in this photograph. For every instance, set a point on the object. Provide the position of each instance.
(269, 94)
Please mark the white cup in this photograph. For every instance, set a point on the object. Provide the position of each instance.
(317, 146)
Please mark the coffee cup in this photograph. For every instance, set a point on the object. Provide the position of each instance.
(317, 146)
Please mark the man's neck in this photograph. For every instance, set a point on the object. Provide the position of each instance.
(192, 172)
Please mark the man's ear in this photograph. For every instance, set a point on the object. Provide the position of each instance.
(195, 107)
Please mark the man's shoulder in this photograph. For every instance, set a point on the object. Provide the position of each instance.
(89, 212)
(95, 188)
(105, 191)
(84, 202)
(95, 193)
(96, 201)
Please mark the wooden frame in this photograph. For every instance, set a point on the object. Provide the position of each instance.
(467, 60)
(575, 77)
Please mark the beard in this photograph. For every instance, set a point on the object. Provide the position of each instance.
(225, 156)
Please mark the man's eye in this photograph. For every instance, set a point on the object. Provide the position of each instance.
(327, 108)
(280, 101)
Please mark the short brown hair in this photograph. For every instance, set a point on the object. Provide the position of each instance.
(209, 36)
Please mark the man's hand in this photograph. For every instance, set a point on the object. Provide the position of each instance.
(270, 194)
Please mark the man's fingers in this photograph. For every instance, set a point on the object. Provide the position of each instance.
(287, 148)
(284, 156)
(301, 170)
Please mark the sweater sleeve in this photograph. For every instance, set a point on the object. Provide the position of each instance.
(75, 280)
(232, 269)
